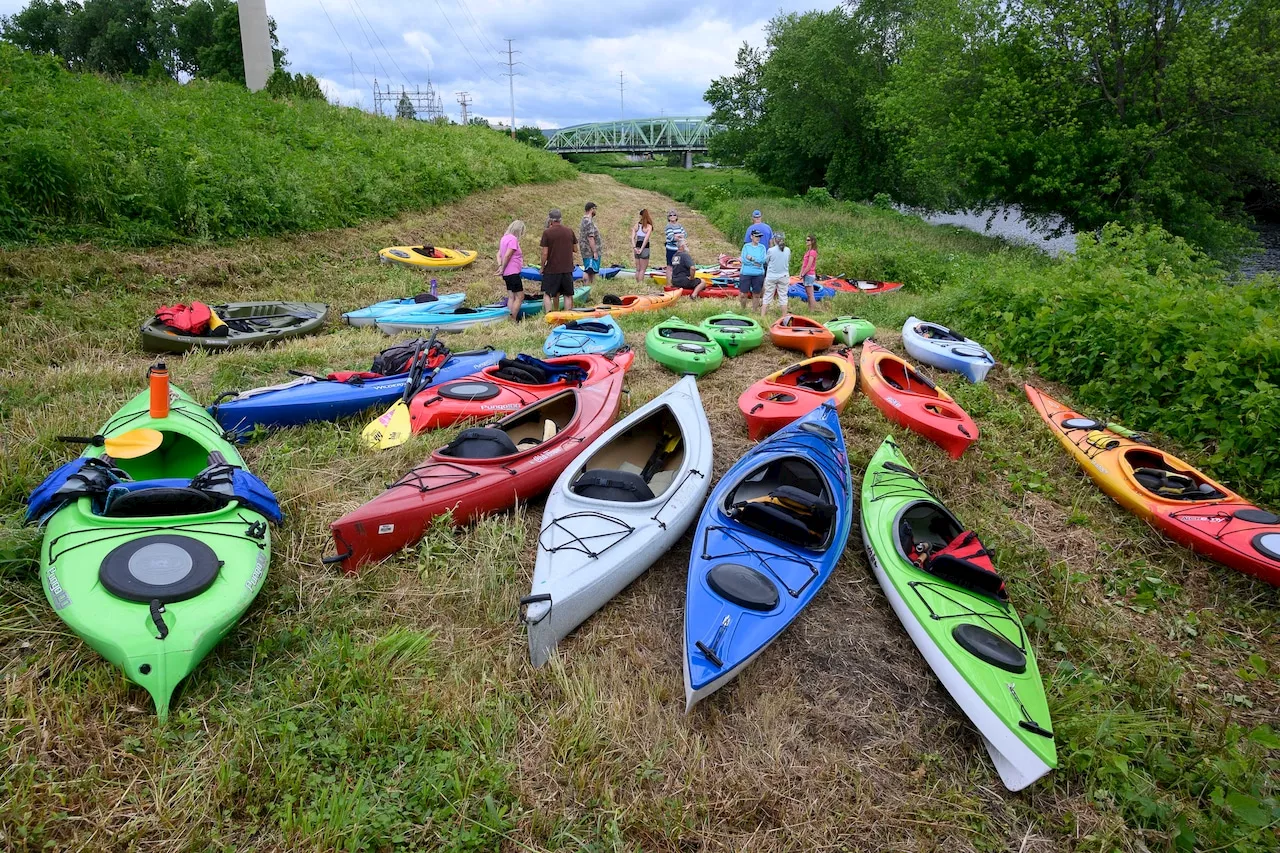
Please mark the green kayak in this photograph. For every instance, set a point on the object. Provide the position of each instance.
(850, 331)
(152, 560)
(953, 604)
(735, 333)
(682, 347)
(248, 324)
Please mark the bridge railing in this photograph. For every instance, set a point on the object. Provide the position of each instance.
(642, 135)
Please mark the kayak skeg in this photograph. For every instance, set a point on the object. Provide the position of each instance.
(152, 560)
(783, 397)
(413, 256)
(945, 349)
(460, 318)
(485, 469)
(505, 387)
(769, 537)
(578, 337)
(310, 398)
(629, 304)
(735, 333)
(622, 504)
(1158, 487)
(390, 307)
(850, 331)
(943, 586)
(793, 331)
(911, 399)
(682, 347)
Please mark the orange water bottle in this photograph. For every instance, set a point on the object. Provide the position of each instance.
(159, 377)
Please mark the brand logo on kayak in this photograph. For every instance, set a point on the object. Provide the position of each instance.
(500, 407)
(259, 569)
(547, 454)
(386, 528)
(1211, 519)
(893, 401)
(56, 592)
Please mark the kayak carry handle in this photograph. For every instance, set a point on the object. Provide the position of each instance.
(540, 598)
(757, 407)
(335, 559)
(710, 655)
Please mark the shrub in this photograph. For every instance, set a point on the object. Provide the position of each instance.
(819, 197)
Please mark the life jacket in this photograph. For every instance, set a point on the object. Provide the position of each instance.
(193, 319)
(964, 562)
(527, 370)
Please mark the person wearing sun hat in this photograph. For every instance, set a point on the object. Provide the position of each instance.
(673, 234)
(759, 227)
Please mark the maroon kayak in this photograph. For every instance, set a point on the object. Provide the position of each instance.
(485, 469)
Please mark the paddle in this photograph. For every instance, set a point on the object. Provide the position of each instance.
(129, 445)
(393, 427)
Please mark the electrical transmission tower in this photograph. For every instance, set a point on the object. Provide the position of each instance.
(464, 99)
(426, 103)
(622, 104)
(510, 74)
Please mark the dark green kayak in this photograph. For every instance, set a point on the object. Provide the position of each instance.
(248, 324)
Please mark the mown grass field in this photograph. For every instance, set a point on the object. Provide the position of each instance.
(398, 710)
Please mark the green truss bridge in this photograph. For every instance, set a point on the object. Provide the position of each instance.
(671, 134)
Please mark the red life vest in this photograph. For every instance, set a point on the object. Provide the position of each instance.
(190, 319)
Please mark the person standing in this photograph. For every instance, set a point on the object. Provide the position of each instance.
(758, 226)
(751, 280)
(674, 233)
(641, 233)
(590, 243)
(778, 277)
(809, 269)
(559, 245)
(510, 262)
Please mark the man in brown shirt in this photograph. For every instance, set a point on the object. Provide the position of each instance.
(559, 245)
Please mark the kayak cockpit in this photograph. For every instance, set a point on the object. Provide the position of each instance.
(787, 499)
(821, 376)
(897, 374)
(517, 433)
(637, 465)
(1157, 476)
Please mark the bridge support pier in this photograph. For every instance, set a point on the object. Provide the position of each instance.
(688, 159)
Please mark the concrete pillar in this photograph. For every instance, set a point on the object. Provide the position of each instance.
(255, 41)
(688, 159)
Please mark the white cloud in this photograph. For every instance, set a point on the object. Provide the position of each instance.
(344, 95)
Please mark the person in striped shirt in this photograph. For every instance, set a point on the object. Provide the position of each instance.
(675, 231)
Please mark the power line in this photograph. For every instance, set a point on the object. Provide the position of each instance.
(466, 10)
(374, 30)
(511, 83)
(354, 67)
(368, 42)
(463, 43)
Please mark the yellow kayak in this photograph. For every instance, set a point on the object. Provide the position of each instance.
(416, 256)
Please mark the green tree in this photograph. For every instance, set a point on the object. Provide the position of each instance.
(221, 57)
(39, 28)
(282, 84)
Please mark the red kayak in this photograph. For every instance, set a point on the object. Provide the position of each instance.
(712, 292)
(794, 392)
(909, 398)
(485, 469)
(505, 387)
(801, 333)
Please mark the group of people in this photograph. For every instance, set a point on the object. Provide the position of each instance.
(765, 260)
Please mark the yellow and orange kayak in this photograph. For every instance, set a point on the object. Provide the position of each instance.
(415, 256)
(629, 304)
(1178, 500)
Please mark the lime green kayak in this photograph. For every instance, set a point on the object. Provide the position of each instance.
(850, 331)
(152, 560)
(735, 333)
(682, 347)
(954, 606)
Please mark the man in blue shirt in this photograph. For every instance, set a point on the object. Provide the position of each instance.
(757, 227)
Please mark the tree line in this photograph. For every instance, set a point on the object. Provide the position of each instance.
(1135, 111)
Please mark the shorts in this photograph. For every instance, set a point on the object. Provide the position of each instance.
(514, 283)
(591, 265)
(775, 290)
(642, 254)
(557, 284)
(810, 280)
(671, 253)
(751, 284)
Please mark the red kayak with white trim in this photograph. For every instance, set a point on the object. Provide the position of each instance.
(909, 398)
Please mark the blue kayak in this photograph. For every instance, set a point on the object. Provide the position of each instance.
(767, 540)
(308, 398)
(459, 318)
(532, 273)
(390, 307)
(820, 292)
(579, 337)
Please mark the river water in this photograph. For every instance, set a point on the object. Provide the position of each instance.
(1009, 224)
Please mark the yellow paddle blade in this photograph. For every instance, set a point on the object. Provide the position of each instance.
(132, 444)
(391, 429)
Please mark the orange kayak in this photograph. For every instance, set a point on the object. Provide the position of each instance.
(1178, 500)
(801, 333)
(909, 398)
(794, 392)
(629, 304)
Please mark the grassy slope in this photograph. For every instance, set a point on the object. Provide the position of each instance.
(399, 707)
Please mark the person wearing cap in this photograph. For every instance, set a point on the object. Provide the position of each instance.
(674, 232)
(641, 232)
(751, 280)
(777, 277)
(590, 243)
(559, 245)
(681, 268)
(758, 226)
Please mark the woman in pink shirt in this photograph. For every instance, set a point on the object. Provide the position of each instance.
(809, 269)
(510, 262)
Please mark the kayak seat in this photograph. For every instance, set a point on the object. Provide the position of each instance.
(589, 326)
(1175, 486)
(990, 647)
(818, 383)
(610, 484)
(684, 335)
(145, 499)
(480, 443)
(787, 513)
(526, 374)
(743, 586)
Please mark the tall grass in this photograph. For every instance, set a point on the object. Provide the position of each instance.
(144, 163)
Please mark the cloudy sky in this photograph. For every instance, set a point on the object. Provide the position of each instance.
(572, 52)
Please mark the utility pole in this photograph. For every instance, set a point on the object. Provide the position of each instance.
(466, 102)
(622, 85)
(511, 83)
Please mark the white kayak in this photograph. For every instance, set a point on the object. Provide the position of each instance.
(945, 349)
(616, 510)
